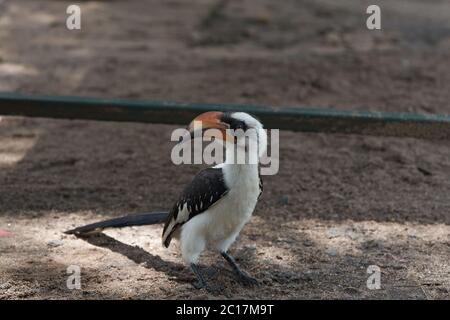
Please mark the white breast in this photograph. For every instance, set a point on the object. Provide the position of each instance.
(229, 216)
(218, 227)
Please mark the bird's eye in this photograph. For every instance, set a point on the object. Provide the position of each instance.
(239, 125)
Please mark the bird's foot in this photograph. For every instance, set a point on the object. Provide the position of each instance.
(210, 272)
(247, 280)
(200, 285)
(211, 289)
(243, 277)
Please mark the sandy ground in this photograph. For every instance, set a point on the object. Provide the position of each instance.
(339, 203)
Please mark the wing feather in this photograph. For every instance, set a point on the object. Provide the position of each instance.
(205, 190)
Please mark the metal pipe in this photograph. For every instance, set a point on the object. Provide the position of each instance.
(398, 124)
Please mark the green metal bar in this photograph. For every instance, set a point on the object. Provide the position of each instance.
(284, 118)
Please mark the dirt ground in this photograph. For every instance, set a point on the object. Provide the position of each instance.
(338, 204)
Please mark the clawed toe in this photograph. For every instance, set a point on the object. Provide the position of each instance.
(199, 285)
(211, 289)
(247, 280)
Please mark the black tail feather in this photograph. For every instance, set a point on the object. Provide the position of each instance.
(139, 219)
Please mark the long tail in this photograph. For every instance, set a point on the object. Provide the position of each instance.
(139, 219)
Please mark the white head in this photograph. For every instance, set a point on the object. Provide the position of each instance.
(237, 128)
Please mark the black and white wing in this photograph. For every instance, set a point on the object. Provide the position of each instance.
(205, 190)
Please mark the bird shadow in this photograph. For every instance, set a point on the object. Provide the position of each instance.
(176, 271)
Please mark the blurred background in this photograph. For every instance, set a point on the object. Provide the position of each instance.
(293, 52)
(338, 204)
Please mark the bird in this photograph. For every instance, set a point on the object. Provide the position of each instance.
(214, 207)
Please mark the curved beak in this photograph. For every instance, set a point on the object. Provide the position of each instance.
(209, 124)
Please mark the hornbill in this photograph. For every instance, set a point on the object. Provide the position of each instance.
(218, 202)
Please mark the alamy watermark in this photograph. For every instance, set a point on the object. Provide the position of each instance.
(373, 22)
(73, 21)
(74, 279)
(374, 280)
(252, 146)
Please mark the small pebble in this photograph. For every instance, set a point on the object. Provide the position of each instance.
(308, 243)
(4, 286)
(331, 252)
(55, 243)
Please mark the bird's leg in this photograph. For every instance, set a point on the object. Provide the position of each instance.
(201, 283)
(244, 278)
